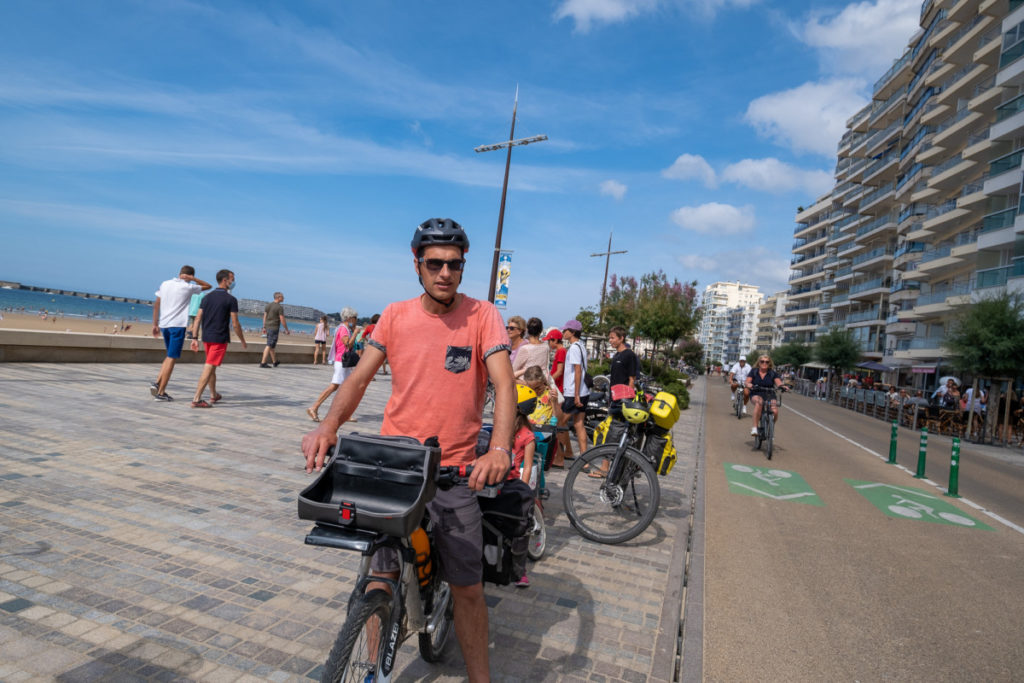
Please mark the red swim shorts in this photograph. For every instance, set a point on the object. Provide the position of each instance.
(215, 353)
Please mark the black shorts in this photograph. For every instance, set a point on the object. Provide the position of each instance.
(458, 532)
(569, 404)
(320, 342)
(272, 337)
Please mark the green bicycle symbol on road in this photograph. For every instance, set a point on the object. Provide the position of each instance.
(911, 503)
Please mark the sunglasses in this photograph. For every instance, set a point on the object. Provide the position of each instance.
(434, 265)
(762, 362)
(513, 327)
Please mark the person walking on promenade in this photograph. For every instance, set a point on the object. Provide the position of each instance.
(170, 316)
(575, 390)
(320, 340)
(216, 311)
(273, 321)
(443, 347)
(625, 365)
(344, 356)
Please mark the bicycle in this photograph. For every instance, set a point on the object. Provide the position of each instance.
(419, 601)
(627, 496)
(766, 426)
(737, 401)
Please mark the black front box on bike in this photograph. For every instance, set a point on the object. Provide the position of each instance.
(373, 483)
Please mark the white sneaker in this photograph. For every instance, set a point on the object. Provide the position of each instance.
(744, 410)
(753, 431)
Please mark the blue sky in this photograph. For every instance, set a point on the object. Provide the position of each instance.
(299, 143)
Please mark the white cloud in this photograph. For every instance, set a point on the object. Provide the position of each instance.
(772, 175)
(613, 188)
(715, 219)
(865, 37)
(771, 275)
(691, 166)
(809, 118)
(588, 12)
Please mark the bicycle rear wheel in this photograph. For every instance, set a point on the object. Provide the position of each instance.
(432, 644)
(611, 511)
(538, 534)
(358, 649)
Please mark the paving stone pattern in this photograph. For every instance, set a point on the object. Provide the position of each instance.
(152, 541)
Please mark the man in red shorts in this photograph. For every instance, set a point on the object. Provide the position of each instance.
(440, 344)
(218, 310)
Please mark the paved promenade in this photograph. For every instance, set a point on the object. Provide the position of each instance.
(150, 541)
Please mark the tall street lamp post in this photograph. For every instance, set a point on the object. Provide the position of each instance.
(604, 287)
(504, 187)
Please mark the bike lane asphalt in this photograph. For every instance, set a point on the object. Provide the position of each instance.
(149, 541)
(826, 563)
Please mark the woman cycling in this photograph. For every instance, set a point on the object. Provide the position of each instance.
(761, 378)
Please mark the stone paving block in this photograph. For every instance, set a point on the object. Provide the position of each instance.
(191, 545)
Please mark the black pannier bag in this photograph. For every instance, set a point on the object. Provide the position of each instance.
(373, 483)
(506, 524)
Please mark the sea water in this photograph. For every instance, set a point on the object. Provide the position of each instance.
(27, 301)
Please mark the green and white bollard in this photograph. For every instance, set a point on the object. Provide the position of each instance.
(892, 443)
(954, 470)
(922, 454)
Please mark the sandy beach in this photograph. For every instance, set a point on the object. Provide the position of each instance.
(52, 323)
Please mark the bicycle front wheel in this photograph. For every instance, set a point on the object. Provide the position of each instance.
(538, 534)
(609, 511)
(360, 644)
(432, 644)
(769, 436)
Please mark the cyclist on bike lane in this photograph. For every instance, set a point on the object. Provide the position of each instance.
(763, 377)
(738, 378)
(442, 347)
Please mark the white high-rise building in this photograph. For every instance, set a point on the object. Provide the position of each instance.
(728, 326)
(927, 214)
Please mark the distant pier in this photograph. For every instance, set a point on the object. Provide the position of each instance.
(69, 292)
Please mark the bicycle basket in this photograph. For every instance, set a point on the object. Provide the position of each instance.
(373, 483)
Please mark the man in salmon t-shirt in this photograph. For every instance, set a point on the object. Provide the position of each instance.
(440, 344)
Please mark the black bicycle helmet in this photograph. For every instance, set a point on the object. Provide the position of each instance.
(440, 231)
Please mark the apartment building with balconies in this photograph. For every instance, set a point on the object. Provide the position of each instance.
(769, 322)
(728, 327)
(928, 190)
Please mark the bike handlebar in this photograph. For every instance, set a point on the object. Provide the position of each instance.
(453, 475)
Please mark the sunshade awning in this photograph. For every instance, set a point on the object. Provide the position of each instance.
(818, 365)
(872, 365)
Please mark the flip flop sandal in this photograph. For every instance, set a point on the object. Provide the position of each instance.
(200, 404)
(215, 398)
(312, 415)
(598, 474)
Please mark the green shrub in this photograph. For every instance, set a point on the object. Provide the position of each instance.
(681, 393)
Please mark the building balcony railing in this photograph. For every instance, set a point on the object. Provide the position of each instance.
(1005, 163)
(940, 294)
(893, 70)
(862, 316)
(870, 284)
(997, 277)
(920, 343)
(877, 195)
(1008, 109)
(873, 254)
(904, 286)
(999, 219)
(909, 248)
(947, 164)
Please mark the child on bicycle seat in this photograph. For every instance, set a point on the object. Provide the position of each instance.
(524, 442)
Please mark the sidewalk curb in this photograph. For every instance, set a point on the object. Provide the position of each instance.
(670, 645)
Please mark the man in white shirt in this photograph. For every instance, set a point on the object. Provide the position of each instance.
(575, 390)
(737, 378)
(170, 317)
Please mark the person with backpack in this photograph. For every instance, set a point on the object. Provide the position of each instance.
(574, 387)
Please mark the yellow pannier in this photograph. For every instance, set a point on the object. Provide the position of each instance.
(665, 409)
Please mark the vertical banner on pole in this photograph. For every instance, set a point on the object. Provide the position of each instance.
(501, 287)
